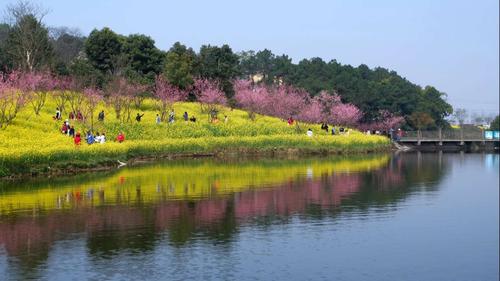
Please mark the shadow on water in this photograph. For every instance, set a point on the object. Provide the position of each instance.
(180, 202)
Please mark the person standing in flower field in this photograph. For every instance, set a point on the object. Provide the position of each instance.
(71, 132)
(120, 138)
(309, 132)
(158, 119)
(77, 139)
(100, 117)
(185, 115)
(138, 117)
(171, 116)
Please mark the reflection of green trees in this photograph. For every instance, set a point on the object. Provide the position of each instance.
(109, 240)
(30, 259)
(398, 180)
(137, 227)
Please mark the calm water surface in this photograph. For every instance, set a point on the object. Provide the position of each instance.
(381, 217)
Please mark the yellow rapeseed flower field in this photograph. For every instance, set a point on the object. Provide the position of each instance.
(35, 143)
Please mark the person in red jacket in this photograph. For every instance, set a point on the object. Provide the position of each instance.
(120, 137)
(78, 139)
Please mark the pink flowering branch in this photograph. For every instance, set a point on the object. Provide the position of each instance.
(210, 96)
(251, 98)
(92, 97)
(12, 98)
(121, 95)
(167, 94)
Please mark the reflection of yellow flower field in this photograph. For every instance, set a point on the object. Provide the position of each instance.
(178, 180)
(35, 142)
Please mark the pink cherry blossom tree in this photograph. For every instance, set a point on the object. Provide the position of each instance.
(37, 85)
(345, 114)
(389, 121)
(327, 101)
(91, 97)
(385, 121)
(121, 95)
(61, 94)
(167, 94)
(12, 98)
(210, 96)
(251, 98)
(312, 112)
(286, 101)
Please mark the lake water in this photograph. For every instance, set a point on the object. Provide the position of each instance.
(378, 217)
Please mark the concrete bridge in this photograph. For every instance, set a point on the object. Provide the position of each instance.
(451, 139)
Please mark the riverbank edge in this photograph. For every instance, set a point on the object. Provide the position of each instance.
(110, 162)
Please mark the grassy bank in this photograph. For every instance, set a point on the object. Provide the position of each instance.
(33, 144)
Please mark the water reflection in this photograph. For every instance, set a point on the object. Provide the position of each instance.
(207, 200)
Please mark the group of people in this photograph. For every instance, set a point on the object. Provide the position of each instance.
(392, 134)
(97, 138)
(67, 129)
(325, 127)
(171, 117)
(90, 137)
(76, 116)
(72, 115)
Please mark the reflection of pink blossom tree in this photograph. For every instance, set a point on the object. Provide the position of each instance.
(210, 96)
(167, 94)
(12, 98)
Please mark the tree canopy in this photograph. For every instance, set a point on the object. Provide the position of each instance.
(103, 49)
(495, 124)
(179, 66)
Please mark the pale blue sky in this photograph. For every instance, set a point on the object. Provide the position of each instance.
(453, 45)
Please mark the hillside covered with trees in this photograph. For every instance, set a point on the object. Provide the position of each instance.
(27, 44)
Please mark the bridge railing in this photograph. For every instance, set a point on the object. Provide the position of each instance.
(438, 135)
